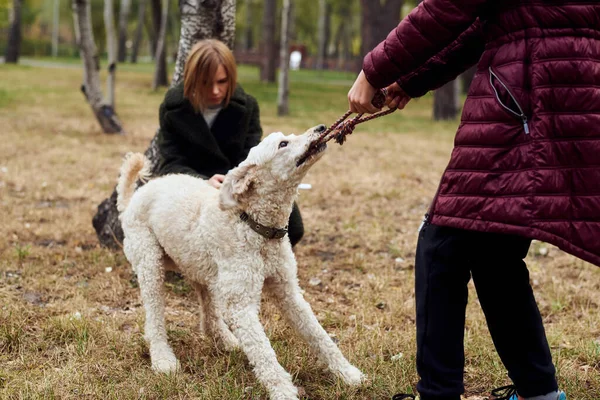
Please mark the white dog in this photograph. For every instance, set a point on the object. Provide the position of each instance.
(230, 243)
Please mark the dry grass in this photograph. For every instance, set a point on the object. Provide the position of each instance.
(70, 329)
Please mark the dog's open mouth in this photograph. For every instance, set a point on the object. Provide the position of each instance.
(312, 151)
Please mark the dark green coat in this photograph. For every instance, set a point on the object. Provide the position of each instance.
(188, 146)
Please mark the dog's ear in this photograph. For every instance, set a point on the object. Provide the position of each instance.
(237, 183)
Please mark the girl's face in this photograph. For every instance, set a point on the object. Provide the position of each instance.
(218, 89)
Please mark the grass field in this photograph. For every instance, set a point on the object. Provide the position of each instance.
(70, 315)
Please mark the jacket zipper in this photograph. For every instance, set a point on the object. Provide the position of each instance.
(519, 114)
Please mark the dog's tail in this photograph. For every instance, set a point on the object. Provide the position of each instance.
(136, 166)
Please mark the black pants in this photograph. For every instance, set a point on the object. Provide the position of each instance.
(446, 259)
(295, 225)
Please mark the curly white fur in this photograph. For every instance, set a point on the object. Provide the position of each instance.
(180, 222)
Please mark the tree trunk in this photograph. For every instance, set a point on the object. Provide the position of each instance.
(267, 67)
(203, 20)
(124, 10)
(445, 101)
(200, 19)
(137, 39)
(284, 61)
(160, 71)
(378, 18)
(160, 48)
(55, 26)
(248, 42)
(13, 46)
(321, 35)
(109, 24)
(104, 112)
(467, 78)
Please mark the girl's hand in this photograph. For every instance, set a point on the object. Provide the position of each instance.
(396, 98)
(216, 181)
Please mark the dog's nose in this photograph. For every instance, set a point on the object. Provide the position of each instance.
(320, 128)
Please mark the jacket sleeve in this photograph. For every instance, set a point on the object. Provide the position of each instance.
(438, 40)
(170, 145)
(254, 129)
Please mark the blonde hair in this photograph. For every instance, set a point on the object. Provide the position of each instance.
(201, 67)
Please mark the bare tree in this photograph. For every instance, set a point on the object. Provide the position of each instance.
(138, 30)
(160, 46)
(13, 47)
(109, 24)
(446, 101)
(284, 61)
(343, 35)
(160, 72)
(55, 26)
(378, 18)
(321, 34)
(467, 78)
(247, 39)
(103, 108)
(200, 19)
(124, 10)
(268, 65)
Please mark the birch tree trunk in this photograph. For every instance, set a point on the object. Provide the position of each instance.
(160, 47)
(124, 10)
(284, 63)
(13, 46)
(200, 19)
(109, 25)
(103, 110)
(55, 26)
(203, 19)
(137, 39)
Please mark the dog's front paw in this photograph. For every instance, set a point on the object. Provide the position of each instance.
(351, 375)
(166, 366)
(165, 363)
(288, 392)
(229, 341)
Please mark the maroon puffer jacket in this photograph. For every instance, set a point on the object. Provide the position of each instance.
(527, 152)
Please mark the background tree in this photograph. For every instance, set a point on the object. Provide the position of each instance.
(14, 34)
(124, 10)
(322, 39)
(378, 18)
(137, 38)
(446, 103)
(284, 60)
(200, 19)
(268, 64)
(55, 27)
(160, 69)
(103, 108)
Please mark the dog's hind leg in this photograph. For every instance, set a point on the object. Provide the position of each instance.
(239, 300)
(300, 316)
(147, 257)
(213, 323)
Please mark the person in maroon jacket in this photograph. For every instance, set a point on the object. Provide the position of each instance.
(525, 166)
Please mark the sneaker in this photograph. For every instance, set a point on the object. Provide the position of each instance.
(403, 396)
(510, 393)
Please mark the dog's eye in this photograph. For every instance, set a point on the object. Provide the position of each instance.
(283, 144)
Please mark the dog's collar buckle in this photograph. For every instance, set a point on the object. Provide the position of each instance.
(265, 231)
